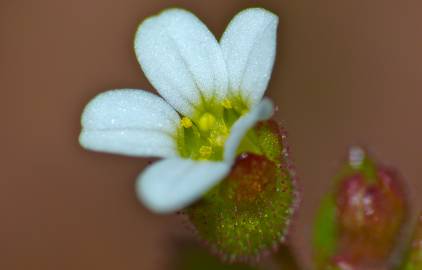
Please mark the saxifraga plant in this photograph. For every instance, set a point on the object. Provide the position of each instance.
(225, 160)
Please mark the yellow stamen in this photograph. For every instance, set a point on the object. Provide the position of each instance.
(227, 104)
(205, 151)
(186, 122)
(206, 122)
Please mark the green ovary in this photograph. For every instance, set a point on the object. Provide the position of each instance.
(202, 137)
(248, 212)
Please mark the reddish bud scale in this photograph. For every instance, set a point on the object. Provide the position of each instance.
(248, 213)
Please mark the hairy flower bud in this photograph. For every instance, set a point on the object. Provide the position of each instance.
(368, 209)
(370, 215)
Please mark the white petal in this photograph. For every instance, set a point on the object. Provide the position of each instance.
(172, 184)
(261, 111)
(249, 48)
(130, 122)
(181, 58)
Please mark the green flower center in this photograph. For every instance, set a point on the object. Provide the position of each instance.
(202, 137)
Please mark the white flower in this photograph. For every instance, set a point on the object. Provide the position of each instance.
(212, 96)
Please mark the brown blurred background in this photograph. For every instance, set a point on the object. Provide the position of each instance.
(346, 72)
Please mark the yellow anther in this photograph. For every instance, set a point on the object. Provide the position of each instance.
(206, 122)
(220, 140)
(186, 122)
(227, 104)
(205, 151)
(218, 135)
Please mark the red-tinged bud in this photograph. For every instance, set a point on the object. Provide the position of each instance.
(366, 210)
(370, 215)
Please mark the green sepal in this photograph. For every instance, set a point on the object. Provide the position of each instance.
(325, 234)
